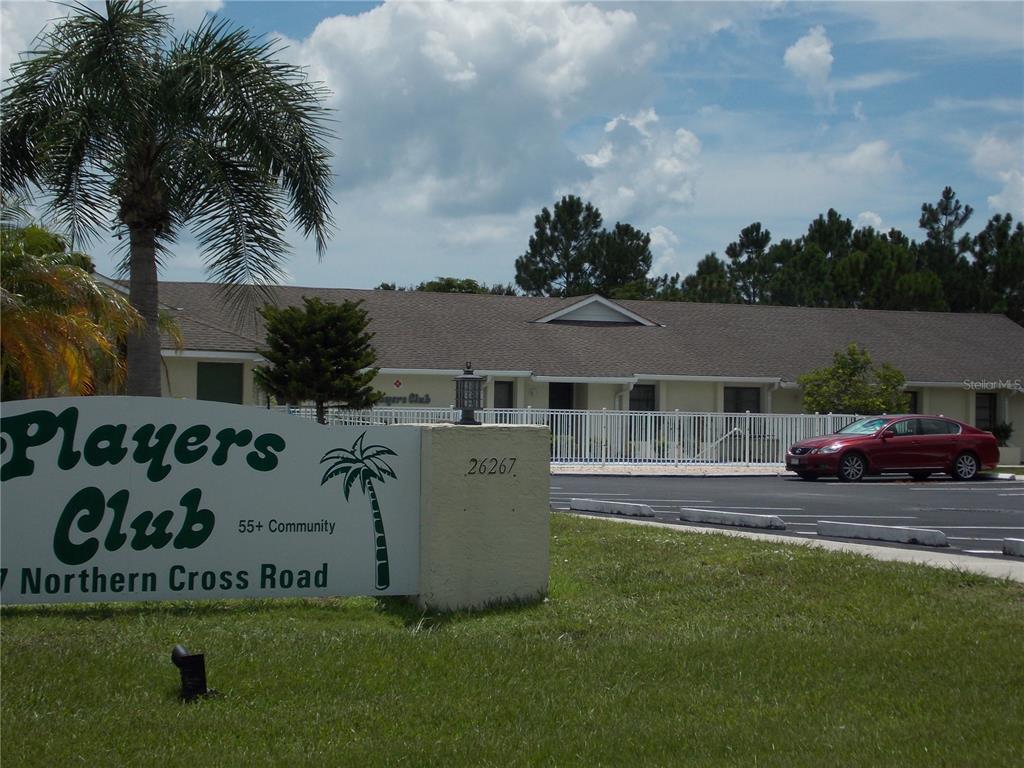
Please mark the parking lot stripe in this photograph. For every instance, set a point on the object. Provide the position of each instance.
(984, 527)
(972, 538)
(769, 508)
(643, 500)
(865, 517)
(577, 493)
(986, 487)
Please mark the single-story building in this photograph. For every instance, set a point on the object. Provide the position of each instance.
(588, 352)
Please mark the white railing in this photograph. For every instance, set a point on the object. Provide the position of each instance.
(630, 437)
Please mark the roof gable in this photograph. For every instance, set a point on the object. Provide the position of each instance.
(595, 309)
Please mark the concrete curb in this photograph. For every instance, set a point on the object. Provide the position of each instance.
(1003, 476)
(925, 536)
(1013, 547)
(740, 519)
(997, 569)
(611, 507)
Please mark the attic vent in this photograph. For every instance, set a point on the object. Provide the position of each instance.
(595, 310)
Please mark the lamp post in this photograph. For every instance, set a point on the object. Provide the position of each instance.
(469, 397)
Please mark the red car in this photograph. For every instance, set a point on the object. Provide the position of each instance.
(911, 443)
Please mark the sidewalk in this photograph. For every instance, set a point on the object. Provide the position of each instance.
(670, 470)
(708, 470)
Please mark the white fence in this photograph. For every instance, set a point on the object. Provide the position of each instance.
(631, 437)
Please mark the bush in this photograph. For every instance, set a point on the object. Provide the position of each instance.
(1002, 433)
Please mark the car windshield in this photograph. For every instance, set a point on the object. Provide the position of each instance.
(863, 427)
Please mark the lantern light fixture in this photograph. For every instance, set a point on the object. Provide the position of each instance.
(469, 397)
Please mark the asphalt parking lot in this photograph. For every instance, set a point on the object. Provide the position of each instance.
(975, 516)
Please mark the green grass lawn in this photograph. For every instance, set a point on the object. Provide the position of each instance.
(654, 648)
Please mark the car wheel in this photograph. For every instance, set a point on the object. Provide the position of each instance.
(920, 475)
(807, 476)
(852, 468)
(965, 467)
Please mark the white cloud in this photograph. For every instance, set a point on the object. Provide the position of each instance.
(663, 248)
(1002, 105)
(870, 80)
(186, 14)
(869, 219)
(640, 121)
(464, 107)
(858, 112)
(484, 230)
(1011, 197)
(995, 154)
(810, 59)
(873, 158)
(600, 158)
(648, 167)
(989, 26)
(1000, 158)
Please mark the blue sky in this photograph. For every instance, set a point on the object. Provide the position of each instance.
(457, 122)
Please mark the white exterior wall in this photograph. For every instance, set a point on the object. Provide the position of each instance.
(601, 396)
(954, 403)
(440, 388)
(787, 401)
(178, 380)
(178, 377)
(1014, 409)
(692, 396)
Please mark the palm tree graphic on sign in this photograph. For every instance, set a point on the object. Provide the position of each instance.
(364, 463)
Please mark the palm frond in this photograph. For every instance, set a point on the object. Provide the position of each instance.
(350, 480)
(336, 469)
(265, 110)
(336, 453)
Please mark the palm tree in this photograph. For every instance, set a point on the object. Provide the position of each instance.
(60, 325)
(364, 463)
(126, 126)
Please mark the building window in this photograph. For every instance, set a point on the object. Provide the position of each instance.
(503, 397)
(219, 381)
(915, 403)
(560, 395)
(985, 410)
(641, 397)
(742, 399)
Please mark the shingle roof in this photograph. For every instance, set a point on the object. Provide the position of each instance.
(422, 330)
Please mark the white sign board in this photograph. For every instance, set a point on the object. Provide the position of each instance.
(129, 498)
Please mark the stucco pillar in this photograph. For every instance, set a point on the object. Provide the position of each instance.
(483, 515)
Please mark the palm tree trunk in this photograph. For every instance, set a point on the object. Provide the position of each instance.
(380, 542)
(144, 346)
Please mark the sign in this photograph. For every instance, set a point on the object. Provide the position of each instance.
(412, 398)
(128, 498)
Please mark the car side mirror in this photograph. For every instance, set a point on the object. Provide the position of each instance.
(888, 433)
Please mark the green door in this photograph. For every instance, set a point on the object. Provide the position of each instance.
(219, 381)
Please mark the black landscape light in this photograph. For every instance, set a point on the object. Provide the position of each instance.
(193, 672)
(469, 394)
